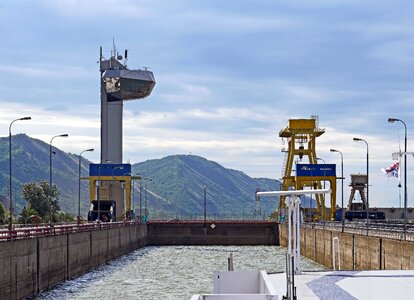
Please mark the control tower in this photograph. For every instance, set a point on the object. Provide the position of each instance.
(117, 85)
(110, 181)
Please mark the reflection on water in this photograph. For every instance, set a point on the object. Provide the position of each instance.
(170, 272)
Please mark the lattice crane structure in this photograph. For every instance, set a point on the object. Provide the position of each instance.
(301, 136)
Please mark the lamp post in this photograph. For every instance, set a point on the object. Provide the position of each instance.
(127, 213)
(342, 186)
(50, 174)
(324, 172)
(79, 199)
(367, 204)
(324, 180)
(10, 170)
(392, 120)
(140, 201)
(98, 193)
(146, 193)
(133, 178)
(205, 206)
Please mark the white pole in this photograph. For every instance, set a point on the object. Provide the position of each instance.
(293, 192)
(295, 205)
(288, 204)
(295, 250)
(336, 240)
(297, 259)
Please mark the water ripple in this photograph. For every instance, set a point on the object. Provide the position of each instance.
(170, 272)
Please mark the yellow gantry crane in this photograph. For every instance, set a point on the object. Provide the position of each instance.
(301, 136)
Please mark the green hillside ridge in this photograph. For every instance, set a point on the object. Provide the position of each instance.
(180, 181)
(30, 159)
(175, 190)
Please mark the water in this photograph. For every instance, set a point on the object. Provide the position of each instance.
(170, 272)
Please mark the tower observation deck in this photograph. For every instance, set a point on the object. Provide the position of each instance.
(110, 181)
(118, 83)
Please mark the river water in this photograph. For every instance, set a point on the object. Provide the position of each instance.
(170, 272)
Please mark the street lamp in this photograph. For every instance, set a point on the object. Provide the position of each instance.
(324, 174)
(140, 200)
(10, 170)
(133, 178)
(367, 204)
(342, 185)
(392, 120)
(50, 174)
(146, 193)
(79, 200)
(324, 180)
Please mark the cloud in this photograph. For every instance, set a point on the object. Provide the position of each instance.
(45, 121)
(93, 9)
(229, 76)
(45, 72)
(398, 52)
(222, 22)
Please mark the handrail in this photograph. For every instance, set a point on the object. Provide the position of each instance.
(39, 230)
(48, 230)
(232, 221)
(382, 230)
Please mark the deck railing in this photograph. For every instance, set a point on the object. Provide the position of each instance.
(388, 230)
(31, 231)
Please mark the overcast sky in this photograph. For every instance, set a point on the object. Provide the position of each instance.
(230, 74)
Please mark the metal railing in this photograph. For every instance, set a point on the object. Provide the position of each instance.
(208, 221)
(27, 231)
(390, 230)
(21, 231)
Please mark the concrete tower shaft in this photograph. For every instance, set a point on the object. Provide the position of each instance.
(118, 83)
(110, 181)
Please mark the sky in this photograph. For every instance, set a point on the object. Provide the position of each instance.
(230, 74)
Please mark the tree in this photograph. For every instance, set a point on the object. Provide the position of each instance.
(2, 213)
(37, 195)
(26, 214)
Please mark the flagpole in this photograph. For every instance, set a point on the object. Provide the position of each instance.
(392, 120)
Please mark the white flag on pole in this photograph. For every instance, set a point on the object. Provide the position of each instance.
(392, 171)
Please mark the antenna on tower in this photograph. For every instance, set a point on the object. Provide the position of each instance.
(113, 52)
(125, 57)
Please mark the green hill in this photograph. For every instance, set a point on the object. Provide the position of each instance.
(178, 181)
(30, 159)
(176, 189)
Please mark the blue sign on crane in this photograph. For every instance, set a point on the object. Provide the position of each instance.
(315, 170)
(110, 170)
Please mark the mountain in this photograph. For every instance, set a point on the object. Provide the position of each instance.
(30, 163)
(176, 189)
(178, 181)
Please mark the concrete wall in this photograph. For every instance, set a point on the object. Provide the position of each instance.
(358, 252)
(219, 234)
(31, 265)
(52, 256)
(18, 269)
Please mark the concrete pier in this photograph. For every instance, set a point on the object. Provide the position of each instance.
(357, 252)
(32, 263)
(213, 233)
(28, 266)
